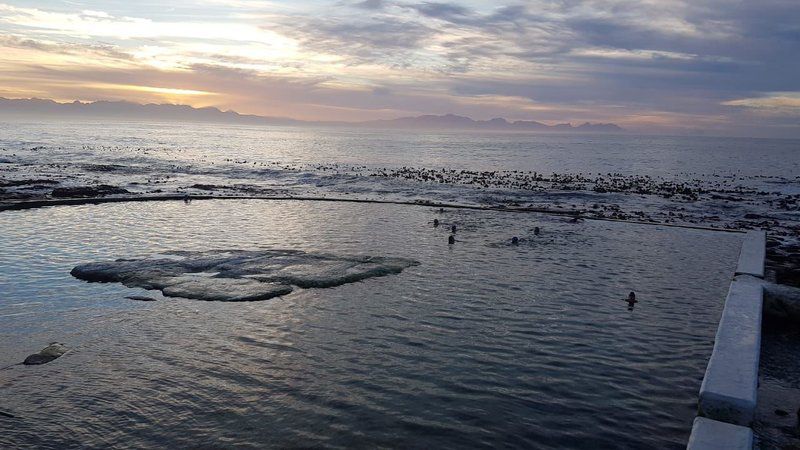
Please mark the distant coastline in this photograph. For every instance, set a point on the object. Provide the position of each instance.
(123, 110)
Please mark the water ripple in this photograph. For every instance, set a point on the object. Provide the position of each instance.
(482, 345)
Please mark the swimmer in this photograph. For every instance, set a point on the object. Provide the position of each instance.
(631, 300)
(536, 231)
(451, 239)
(453, 229)
(435, 222)
(515, 240)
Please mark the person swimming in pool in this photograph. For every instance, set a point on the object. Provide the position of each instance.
(435, 223)
(631, 300)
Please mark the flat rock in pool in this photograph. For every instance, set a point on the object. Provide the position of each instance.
(239, 275)
(224, 289)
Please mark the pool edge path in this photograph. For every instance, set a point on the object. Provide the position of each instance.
(727, 399)
(710, 434)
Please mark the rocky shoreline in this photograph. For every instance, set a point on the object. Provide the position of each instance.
(729, 200)
(609, 197)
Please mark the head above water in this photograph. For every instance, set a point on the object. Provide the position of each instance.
(632, 296)
(436, 222)
(515, 240)
(451, 239)
(536, 230)
(453, 228)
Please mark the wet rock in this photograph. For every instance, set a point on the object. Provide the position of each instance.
(239, 275)
(100, 190)
(106, 168)
(225, 289)
(206, 187)
(47, 354)
(140, 298)
(14, 183)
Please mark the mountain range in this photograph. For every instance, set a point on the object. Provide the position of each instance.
(39, 108)
(452, 121)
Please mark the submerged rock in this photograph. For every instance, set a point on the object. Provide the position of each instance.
(239, 275)
(47, 354)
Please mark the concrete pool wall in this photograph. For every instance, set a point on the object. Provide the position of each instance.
(728, 394)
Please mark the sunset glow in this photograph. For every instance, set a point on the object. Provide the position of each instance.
(650, 66)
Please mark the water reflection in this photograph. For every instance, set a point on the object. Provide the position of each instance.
(485, 345)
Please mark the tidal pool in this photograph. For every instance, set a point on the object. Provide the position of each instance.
(482, 344)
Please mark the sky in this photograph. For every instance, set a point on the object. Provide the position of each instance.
(660, 66)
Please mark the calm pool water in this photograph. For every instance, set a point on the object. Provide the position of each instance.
(483, 344)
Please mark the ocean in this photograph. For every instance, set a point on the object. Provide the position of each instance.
(483, 344)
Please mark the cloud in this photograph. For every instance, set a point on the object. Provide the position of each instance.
(447, 11)
(559, 60)
(371, 4)
(98, 24)
(777, 103)
(65, 48)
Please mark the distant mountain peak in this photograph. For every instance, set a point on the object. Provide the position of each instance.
(453, 121)
(121, 109)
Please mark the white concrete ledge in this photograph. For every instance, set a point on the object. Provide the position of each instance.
(728, 392)
(709, 434)
(752, 255)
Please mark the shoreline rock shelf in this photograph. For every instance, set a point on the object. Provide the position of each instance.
(239, 275)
